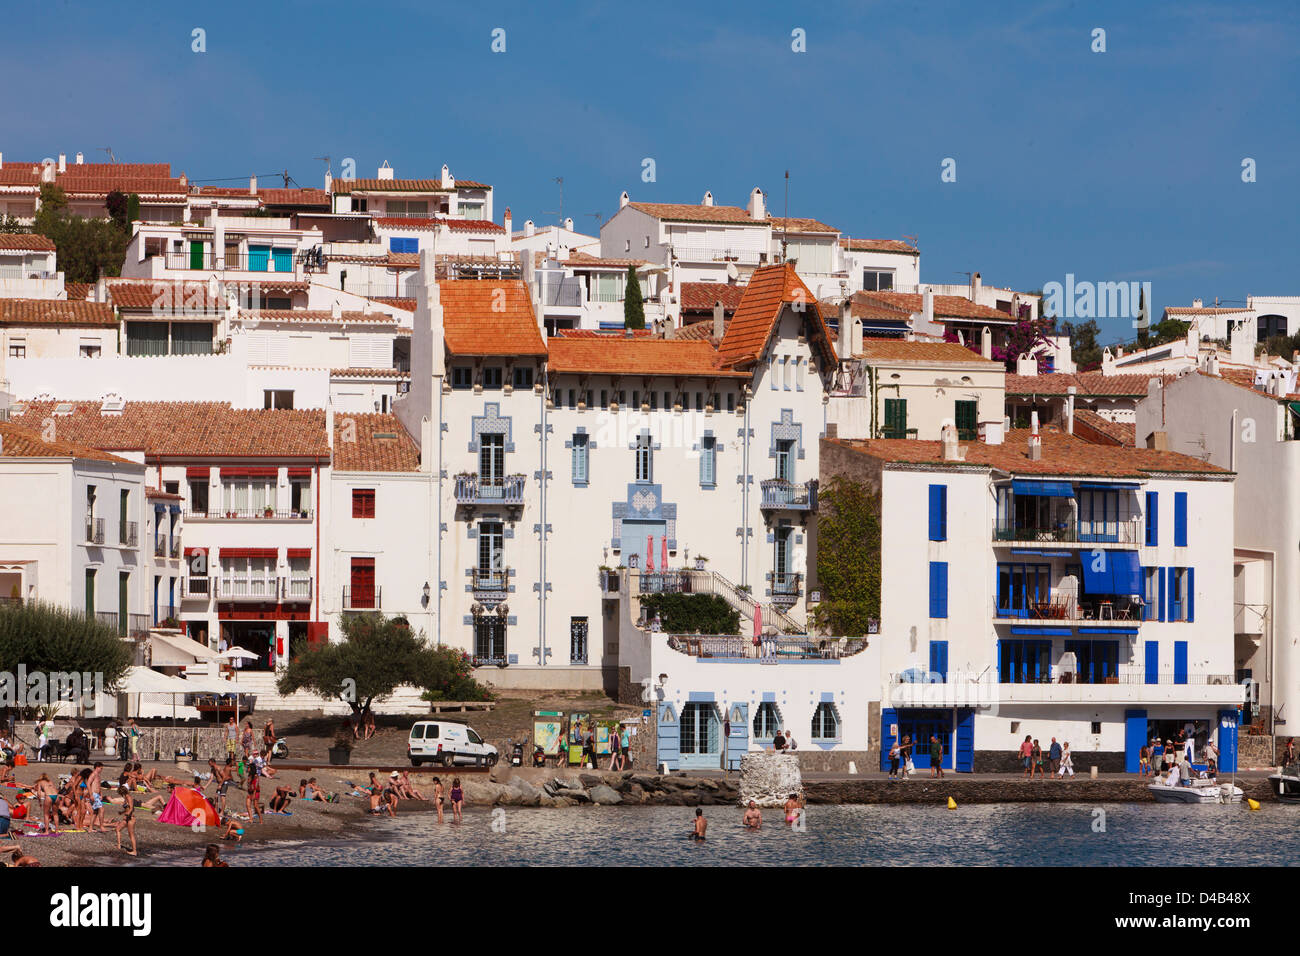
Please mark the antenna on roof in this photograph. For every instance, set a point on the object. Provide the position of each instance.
(911, 239)
(109, 150)
(285, 174)
(600, 221)
(551, 212)
(785, 224)
(326, 161)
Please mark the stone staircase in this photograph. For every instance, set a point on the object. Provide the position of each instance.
(405, 700)
(774, 619)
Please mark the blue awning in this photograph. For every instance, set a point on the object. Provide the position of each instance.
(1112, 572)
(1110, 485)
(1042, 554)
(175, 509)
(159, 507)
(1041, 486)
(1042, 631)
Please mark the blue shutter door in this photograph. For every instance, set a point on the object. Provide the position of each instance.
(938, 588)
(1228, 741)
(670, 743)
(257, 257)
(939, 660)
(965, 743)
(1180, 519)
(1160, 573)
(888, 720)
(1180, 662)
(1153, 663)
(738, 742)
(1135, 733)
(283, 259)
(938, 512)
(1153, 518)
(1190, 596)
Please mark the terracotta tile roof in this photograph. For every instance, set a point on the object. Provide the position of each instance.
(21, 174)
(294, 197)
(382, 444)
(187, 429)
(315, 315)
(685, 212)
(602, 333)
(1090, 426)
(1177, 310)
(485, 317)
(796, 224)
(945, 306)
(700, 296)
(77, 291)
(19, 442)
(615, 355)
(877, 311)
(26, 241)
(110, 170)
(901, 350)
(471, 184)
(152, 492)
(164, 296)
(343, 187)
(1088, 384)
(455, 225)
(579, 259)
(368, 373)
(769, 290)
(32, 312)
(96, 186)
(406, 305)
(1063, 455)
(700, 332)
(880, 245)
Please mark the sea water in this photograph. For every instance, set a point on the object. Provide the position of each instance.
(975, 835)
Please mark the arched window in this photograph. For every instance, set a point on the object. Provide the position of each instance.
(826, 722)
(767, 721)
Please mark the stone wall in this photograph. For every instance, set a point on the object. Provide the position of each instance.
(1259, 751)
(1007, 761)
(926, 790)
(837, 761)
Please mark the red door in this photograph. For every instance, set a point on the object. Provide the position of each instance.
(363, 583)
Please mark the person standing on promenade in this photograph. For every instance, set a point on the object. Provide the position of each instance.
(1288, 756)
(1157, 757)
(437, 797)
(1054, 757)
(591, 749)
(905, 749)
(1067, 762)
(936, 756)
(1144, 760)
(789, 741)
(232, 736)
(1212, 758)
(894, 751)
(133, 739)
(778, 742)
(1036, 758)
(1027, 755)
(625, 742)
(246, 741)
(457, 800)
(268, 737)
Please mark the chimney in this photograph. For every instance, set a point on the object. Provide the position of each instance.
(2, 160)
(1197, 303)
(252, 185)
(447, 181)
(80, 159)
(529, 227)
(986, 343)
(669, 331)
(976, 284)
(218, 240)
(508, 221)
(855, 337)
(329, 181)
(624, 199)
(63, 162)
(101, 290)
(757, 208)
(47, 173)
(568, 223)
(384, 172)
(1071, 392)
(708, 199)
(1159, 441)
(992, 433)
(336, 310)
(927, 306)
(832, 430)
(948, 436)
(719, 319)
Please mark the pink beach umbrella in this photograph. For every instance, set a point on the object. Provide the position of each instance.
(650, 552)
(758, 620)
(663, 553)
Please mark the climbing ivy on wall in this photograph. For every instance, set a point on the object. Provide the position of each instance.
(848, 557)
(688, 613)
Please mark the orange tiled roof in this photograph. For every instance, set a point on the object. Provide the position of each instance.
(314, 315)
(770, 289)
(685, 212)
(1087, 383)
(21, 174)
(700, 332)
(700, 296)
(1063, 455)
(615, 355)
(901, 350)
(19, 442)
(26, 241)
(164, 296)
(381, 444)
(55, 312)
(1090, 426)
(471, 184)
(308, 196)
(484, 317)
(945, 306)
(346, 186)
(368, 373)
(455, 225)
(796, 224)
(1180, 310)
(77, 291)
(880, 245)
(406, 305)
(186, 429)
(579, 259)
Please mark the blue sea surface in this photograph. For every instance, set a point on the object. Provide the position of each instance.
(976, 835)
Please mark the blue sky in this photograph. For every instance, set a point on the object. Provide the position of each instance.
(1122, 165)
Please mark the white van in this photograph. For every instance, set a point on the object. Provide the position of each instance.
(447, 743)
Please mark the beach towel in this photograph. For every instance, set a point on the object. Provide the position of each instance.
(186, 807)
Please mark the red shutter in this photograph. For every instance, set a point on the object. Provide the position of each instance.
(299, 552)
(249, 552)
(258, 472)
(363, 502)
(363, 582)
(299, 472)
(197, 472)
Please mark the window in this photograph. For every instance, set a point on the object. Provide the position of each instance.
(363, 502)
(826, 722)
(523, 376)
(489, 639)
(246, 497)
(492, 377)
(491, 548)
(90, 351)
(783, 580)
(1180, 519)
(248, 577)
(939, 662)
(1095, 727)
(279, 303)
(1153, 518)
(699, 401)
(708, 461)
(644, 459)
(362, 592)
(1179, 589)
(938, 588)
(1151, 594)
(877, 280)
(895, 418)
(731, 401)
(300, 495)
(577, 640)
(580, 460)
(938, 512)
(491, 461)
(396, 244)
(462, 376)
(124, 503)
(18, 350)
(767, 721)
(967, 419)
(90, 592)
(1024, 661)
(277, 398)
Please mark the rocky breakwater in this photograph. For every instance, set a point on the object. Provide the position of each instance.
(769, 778)
(528, 787)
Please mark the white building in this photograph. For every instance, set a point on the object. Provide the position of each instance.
(28, 268)
(881, 265)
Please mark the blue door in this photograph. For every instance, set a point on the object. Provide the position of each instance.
(920, 725)
(282, 259)
(635, 535)
(258, 256)
(888, 726)
(1228, 741)
(700, 736)
(738, 742)
(1135, 738)
(965, 750)
(669, 754)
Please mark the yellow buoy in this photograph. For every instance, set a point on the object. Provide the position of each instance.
(1254, 804)
(952, 804)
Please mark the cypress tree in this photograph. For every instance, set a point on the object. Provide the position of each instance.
(633, 304)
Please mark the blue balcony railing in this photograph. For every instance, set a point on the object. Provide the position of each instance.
(474, 489)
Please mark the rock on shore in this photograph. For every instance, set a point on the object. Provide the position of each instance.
(768, 778)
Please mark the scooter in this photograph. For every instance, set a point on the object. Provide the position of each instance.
(280, 749)
(517, 755)
(539, 757)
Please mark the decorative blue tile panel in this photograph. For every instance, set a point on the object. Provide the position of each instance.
(491, 422)
(787, 430)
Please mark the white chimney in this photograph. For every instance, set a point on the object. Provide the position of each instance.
(252, 185)
(719, 320)
(855, 337)
(757, 208)
(329, 180)
(708, 199)
(47, 173)
(986, 343)
(2, 160)
(1026, 365)
(336, 310)
(63, 162)
(948, 437)
(447, 181)
(568, 223)
(80, 159)
(927, 306)
(101, 289)
(992, 432)
(624, 199)
(976, 284)
(529, 227)
(1197, 303)
(1035, 440)
(508, 221)
(384, 172)
(1070, 393)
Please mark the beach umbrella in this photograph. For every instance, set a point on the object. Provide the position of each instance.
(650, 552)
(663, 553)
(758, 626)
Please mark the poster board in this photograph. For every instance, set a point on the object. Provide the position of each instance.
(548, 733)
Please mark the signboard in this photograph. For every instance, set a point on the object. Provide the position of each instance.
(814, 597)
(873, 626)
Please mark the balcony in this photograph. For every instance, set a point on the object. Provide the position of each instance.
(265, 514)
(691, 252)
(248, 589)
(128, 534)
(1068, 604)
(1069, 531)
(95, 531)
(472, 490)
(1064, 685)
(786, 588)
(295, 589)
(185, 262)
(770, 650)
(175, 550)
(196, 588)
(896, 433)
(782, 495)
(490, 585)
(362, 598)
(126, 625)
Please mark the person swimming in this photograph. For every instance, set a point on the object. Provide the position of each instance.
(701, 825)
(753, 818)
(793, 806)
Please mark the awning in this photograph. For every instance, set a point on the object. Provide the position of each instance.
(1109, 485)
(1043, 487)
(142, 680)
(208, 684)
(1112, 572)
(250, 472)
(177, 650)
(1042, 554)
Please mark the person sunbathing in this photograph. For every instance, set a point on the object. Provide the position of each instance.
(20, 858)
(308, 790)
(280, 800)
(405, 789)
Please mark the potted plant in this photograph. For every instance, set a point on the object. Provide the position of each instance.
(268, 512)
(340, 752)
(700, 562)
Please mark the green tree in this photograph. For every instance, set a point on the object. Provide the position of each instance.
(86, 248)
(117, 203)
(633, 304)
(377, 654)
(848, 557)
(47, 639)
(688, 613)
(1083, 343)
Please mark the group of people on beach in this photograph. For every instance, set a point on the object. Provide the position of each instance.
(78, 803)
(1054, 761)
(385, 794)
(1158, 757)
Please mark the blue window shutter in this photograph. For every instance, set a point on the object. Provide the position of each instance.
(1135, 737)
(888, 719)
(1160, 573)
(939, 660)
(1153, 518)
(1180, 519)
(1190, 596)
(938, 512)
(965, 743)
(708, 461)
(579, 459)
(938, 588)
(1180, 662)
(1153, 662)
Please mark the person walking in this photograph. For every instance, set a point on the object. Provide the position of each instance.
(894, 751)
(1027, 755)
(438, 794)
(268, 737)
(457, 801)
(591, 749)
(1054, 757)
(936, 756)
(906, 751)
(1067, 763)
(1036, 756)
(232, 736)
(133, 739)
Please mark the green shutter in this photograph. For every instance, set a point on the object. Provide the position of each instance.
(895, 418)
(90, 592)
(196, 254)
(967, 416)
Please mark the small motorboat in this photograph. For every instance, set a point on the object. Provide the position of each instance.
(1200, 790)
(1286, 784)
